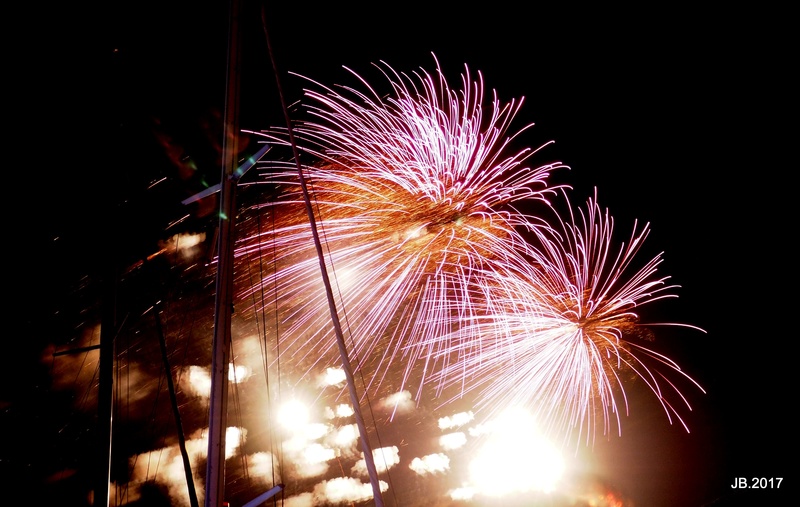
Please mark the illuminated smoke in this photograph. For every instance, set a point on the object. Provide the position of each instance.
(263, 466)
(182, 244)
(198, 381)
(385, 458)
(333, 377)
(344, 490)
(430, 464)
(165, 467)
(401, 402)
(344, 438)
(456, 420)
(340, 411)
(234, 438)
(301, 500)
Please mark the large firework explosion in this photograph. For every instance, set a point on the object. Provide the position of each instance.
(413, 194)
(418, 195)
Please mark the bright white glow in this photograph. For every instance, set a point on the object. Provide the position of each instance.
(344, 410)
(345, 277)
(237, 374)
(516, 458)
(233, 440)
(463, 493)
(312, 431)
(479, 429)
(199, 381)
(293, 414)
(453, 440)
(317, 453)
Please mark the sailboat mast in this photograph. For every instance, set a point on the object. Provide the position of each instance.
(105, 408)
(346, 366)
(215, 468)
(217, 420)
(337, 327)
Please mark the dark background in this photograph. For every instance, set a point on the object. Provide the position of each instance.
(680, 118)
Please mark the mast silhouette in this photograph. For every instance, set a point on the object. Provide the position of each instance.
(215, 468)
(354, 399)
(218, 404)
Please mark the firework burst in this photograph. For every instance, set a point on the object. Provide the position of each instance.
(558, 336)
(413, 193)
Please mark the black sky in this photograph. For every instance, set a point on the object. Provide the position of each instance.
(677, 116)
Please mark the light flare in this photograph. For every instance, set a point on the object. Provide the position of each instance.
(516, 458)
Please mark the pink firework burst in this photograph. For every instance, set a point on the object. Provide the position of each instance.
(414, 193)
(557, 337)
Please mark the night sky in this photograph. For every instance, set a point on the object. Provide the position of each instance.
(675, 116)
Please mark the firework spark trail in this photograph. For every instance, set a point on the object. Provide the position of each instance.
(555, 337)
(414, 193)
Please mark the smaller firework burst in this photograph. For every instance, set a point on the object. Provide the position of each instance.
(558, 337)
